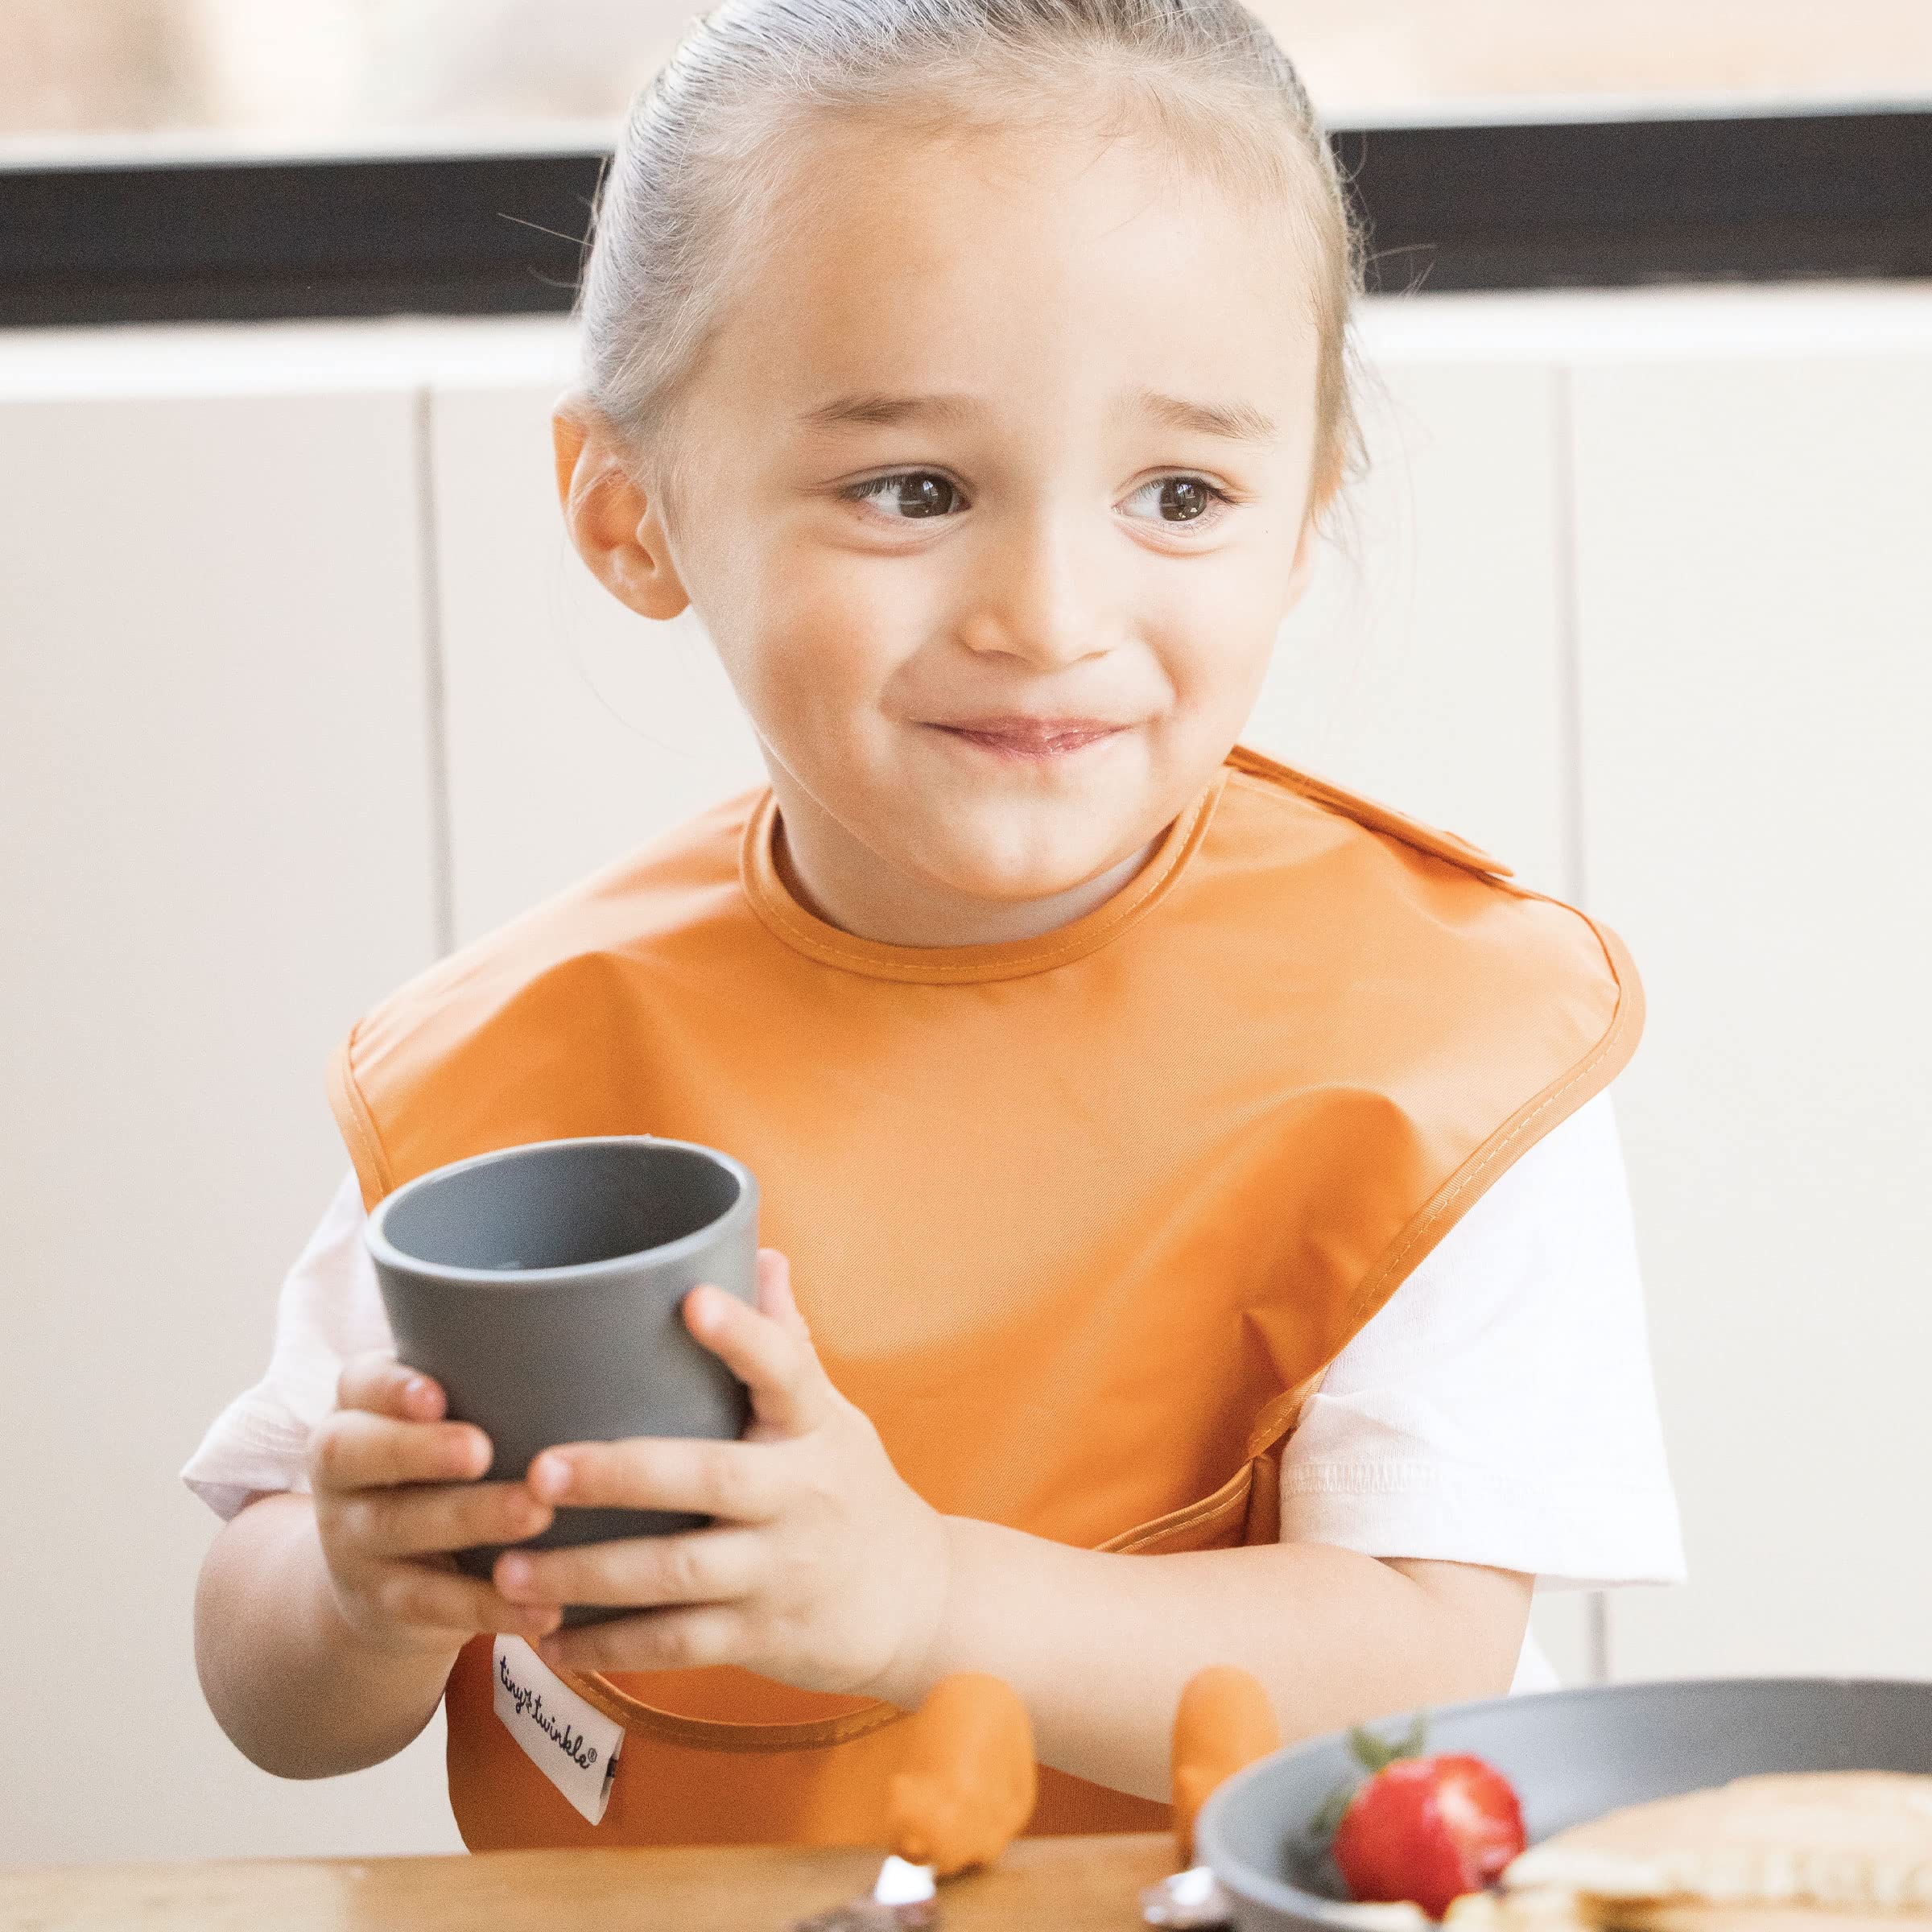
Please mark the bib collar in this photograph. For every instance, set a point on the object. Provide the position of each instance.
(957, 965)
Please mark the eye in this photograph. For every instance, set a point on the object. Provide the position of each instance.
(1185, 499)
(908, 495)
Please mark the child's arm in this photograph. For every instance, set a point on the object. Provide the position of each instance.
(1100, 1646)
(826, 1571)
(325, 1626)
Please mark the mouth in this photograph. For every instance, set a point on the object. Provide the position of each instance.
(1036, 739)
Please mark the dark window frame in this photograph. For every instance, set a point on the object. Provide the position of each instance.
(1586, 202)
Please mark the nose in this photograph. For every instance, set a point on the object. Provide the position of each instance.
(1038, 594)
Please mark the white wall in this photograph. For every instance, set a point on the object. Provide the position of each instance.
(299, 679)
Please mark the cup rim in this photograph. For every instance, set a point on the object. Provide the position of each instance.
(387, 1254)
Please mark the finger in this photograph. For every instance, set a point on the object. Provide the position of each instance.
(441, 1517)
(657, 1639)
(427, 1598)
(697, 1566)
(775, 1361)
(354, 1450)
(775, 1295)
(378, 1382)
(741, 1482)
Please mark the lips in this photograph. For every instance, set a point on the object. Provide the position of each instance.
(1029, 734)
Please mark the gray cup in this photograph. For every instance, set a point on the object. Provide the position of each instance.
(541, 1286)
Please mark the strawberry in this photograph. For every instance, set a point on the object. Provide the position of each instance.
(1428, 1829)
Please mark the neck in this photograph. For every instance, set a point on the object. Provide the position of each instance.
(845, 885)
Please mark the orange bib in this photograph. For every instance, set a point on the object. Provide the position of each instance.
(1079, 1221)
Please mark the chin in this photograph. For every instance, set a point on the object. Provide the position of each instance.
(1025, 883)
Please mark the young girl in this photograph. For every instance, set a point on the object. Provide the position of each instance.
(1197, 1230)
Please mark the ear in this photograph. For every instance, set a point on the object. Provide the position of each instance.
(618, 529)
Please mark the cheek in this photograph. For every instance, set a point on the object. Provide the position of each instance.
(1215, 642)
(824, 646)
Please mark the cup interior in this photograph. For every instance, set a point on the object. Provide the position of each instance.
(559, 1204)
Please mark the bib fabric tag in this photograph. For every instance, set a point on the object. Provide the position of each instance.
(572, 1742)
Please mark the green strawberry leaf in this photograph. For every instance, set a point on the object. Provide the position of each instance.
(1375, 1754)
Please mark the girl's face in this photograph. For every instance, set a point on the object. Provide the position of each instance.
(1016, 427)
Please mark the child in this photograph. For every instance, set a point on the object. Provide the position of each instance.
(1212, 1247)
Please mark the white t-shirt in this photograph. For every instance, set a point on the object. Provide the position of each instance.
(1499, 1409)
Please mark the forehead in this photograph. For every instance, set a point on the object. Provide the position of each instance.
(1047, 269)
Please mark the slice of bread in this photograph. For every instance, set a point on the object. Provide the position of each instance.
(1681, 1915)
(1552, 1911)
(1543, 1911)
(1857, 1842)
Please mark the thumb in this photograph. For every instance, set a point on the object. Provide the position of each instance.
(775, 1297)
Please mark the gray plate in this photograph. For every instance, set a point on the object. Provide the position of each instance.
(1571, 1755)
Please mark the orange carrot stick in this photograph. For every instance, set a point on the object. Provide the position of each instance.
(1223, 1722)
(965, 1787)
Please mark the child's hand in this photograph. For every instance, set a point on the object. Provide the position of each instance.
(395, 1489)
(824, 1568)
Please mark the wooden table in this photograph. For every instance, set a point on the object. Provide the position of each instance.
(1042, 1884)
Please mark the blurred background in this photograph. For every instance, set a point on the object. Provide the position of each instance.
(340, 70)
(301, 686)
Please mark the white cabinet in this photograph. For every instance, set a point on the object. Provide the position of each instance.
(1754, 579)
(214, 849)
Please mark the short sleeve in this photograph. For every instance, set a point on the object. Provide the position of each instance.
(330, 1308)
(1500, 1408)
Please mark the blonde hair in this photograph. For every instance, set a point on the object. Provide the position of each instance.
(688, 195)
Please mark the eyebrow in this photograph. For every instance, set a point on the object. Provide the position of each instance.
(1233, 422)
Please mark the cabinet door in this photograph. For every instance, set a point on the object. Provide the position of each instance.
(214, 850)
(577, 730)
(1427, 666)
(1754, 585)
